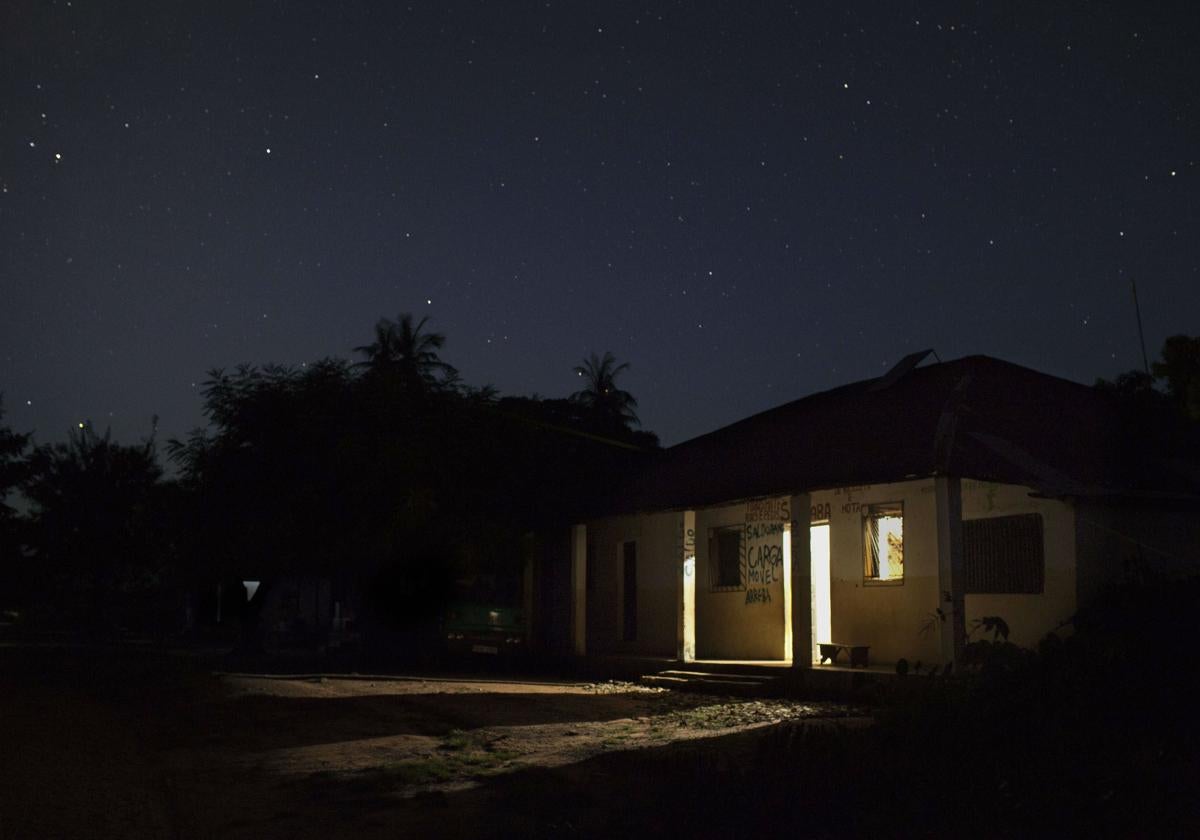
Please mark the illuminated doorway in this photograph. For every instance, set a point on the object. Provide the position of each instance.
(822, 617)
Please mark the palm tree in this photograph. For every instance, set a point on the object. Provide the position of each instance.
(407, 351)
(601, 396)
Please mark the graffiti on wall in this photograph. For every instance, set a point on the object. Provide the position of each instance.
(764, 553)
(762, 548)
(758, 595)
(685, 540)
(768, 510)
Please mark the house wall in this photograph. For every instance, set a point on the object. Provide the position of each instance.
(886, 616)
(746, 623)
(895, 619)
(1029, 617)
(658, 537)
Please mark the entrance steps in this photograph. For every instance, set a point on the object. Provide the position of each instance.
(748, 678)
(716, 681)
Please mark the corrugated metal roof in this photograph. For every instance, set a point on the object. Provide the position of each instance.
(975, 417)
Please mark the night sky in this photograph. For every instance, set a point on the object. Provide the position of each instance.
(748, 202)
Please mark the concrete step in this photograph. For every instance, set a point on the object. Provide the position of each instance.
(711, 683)
(664, 679)
(718, 675)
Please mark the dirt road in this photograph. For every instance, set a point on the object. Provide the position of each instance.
(105, 744)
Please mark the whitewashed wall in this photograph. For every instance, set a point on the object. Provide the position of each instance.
(895, 619)
(746, 623)
(886, 616)
(1029, 616)
(658, 538)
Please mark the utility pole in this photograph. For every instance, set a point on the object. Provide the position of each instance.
(1141, 336)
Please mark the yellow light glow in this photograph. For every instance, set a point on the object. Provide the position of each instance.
(822, 614)
(889, 547)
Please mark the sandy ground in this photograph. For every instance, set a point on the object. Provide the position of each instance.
(96, 747)
(471, 730)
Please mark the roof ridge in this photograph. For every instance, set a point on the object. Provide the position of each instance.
(839, 389)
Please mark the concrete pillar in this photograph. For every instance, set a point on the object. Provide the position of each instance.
(951, 577)
(686, 648)
(579, 590)
(800, 571)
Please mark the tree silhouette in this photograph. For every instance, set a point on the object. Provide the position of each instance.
(274, 466)
(600, 396)
(1180, 369)
(13, 569)
(274, 482)
(394, 483)
(98, 526)
(406, 352)
(12, 464)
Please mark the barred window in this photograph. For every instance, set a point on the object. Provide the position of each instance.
(1004, 555)
(725, 557)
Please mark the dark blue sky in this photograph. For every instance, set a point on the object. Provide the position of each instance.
(748, 202)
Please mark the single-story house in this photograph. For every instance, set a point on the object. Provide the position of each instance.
(892, 513)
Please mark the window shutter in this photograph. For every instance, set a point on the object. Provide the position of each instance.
(1004, 555)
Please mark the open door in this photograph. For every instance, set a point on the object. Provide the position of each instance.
(822, 617)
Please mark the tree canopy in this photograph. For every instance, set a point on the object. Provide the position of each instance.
(1179, 369)
(13, 469)
(1173, 380)
(12, 464)
(389, 472)
(100, 531)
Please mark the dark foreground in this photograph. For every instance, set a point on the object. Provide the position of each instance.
(136, 743)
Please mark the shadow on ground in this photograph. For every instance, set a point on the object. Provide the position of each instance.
(259, 723)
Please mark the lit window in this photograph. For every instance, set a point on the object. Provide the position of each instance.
(883, 542)
(725, 557)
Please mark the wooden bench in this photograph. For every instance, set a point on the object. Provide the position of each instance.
(831, 650)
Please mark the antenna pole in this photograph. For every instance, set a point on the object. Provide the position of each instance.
(1141, 335)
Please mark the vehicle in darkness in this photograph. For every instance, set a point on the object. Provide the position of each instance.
(485, 617)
